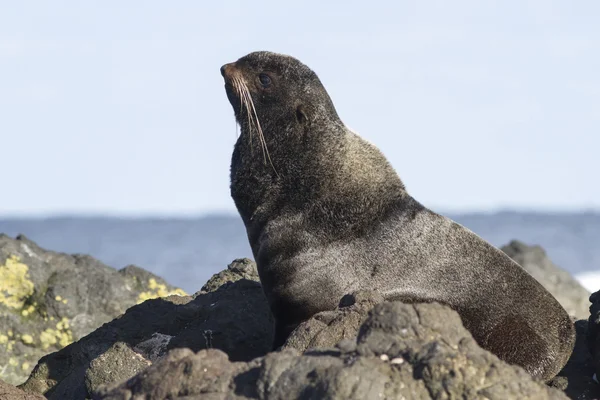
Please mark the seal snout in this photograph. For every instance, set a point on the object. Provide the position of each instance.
(226, 70)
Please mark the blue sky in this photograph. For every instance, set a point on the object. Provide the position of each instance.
(119, 107)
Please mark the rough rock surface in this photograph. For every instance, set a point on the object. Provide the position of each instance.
(561, 284)
(418, 351)
(328, 328)
(49, 299)
(240, 268)
(235, 319)
(214, 345)
(9, 392)
(118, 363)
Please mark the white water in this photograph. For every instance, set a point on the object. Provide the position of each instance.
(590, 280)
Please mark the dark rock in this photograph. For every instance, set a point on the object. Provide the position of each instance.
(155, 347)
(418, 351)
(181, 373)
(241, 268)
(575, 379)
(116, 364)
(593, 332)
(561, 284)
(235, 318)
(49, 299)
(327, 328)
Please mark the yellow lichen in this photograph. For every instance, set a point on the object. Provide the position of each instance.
(3, 339)
(152, 284)
(27, 339)
(64, 301)
(28, 310)
(58, 298)
(15, 285)
(48, 338)
(25, 366)
(10, 333)
(65, 338)
(158, 290)
(62, 335)
(63, 324)
(12, 361)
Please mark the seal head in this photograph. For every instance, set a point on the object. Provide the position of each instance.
(287, 92)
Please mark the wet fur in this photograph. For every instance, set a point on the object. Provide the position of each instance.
(327, 215)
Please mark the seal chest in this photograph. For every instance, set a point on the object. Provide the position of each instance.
(327, 215)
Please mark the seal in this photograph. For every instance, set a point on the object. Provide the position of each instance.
(326, 215)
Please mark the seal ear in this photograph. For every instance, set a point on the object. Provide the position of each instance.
(301, 114)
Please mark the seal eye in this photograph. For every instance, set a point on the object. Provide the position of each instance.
(265, 80)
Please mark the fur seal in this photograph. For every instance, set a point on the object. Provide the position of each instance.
(326, 215)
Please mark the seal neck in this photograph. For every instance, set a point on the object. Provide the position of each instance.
(323, 173)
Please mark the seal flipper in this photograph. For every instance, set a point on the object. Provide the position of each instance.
(515, 342)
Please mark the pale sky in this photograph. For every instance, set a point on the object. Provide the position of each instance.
(119, 107)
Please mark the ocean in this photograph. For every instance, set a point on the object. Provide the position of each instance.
(187, 251)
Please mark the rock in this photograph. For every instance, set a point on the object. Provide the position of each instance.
(215, 344)
(9, 392)
(155, 347)
(181, 373)
(566, 289)
(332, 328)
(49, 299)
(118, 363)
(328, 328)
(417, 351)
(593, 332)
(241, 268)
(575, 379)
(235, 318)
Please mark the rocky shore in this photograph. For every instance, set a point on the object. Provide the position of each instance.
(73, 328)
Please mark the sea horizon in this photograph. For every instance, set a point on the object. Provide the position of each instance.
(187, 249)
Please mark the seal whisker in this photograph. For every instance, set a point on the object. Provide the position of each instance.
(261, 136)
(254, 119)
(249, 118)
(237, 90)
(241, 90)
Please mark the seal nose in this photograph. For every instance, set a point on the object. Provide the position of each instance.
(225, 70)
